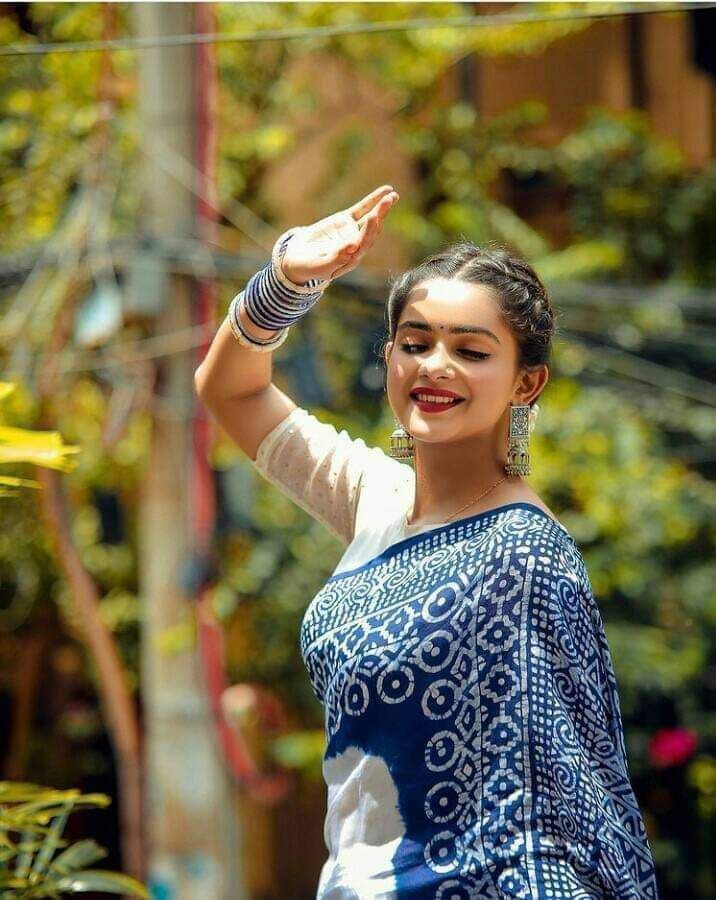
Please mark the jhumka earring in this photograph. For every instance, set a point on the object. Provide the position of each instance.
(401, 443)
(522, 421)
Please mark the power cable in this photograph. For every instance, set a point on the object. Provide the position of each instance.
(654, 374)
(186, 173)
(287, 34)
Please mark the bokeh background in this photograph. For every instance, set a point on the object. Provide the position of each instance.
(152, 583)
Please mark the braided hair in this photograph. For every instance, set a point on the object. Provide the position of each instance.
(523, 300)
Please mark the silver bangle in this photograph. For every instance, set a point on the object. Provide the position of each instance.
(245, 339)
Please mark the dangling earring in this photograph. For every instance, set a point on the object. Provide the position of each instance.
(522, 422)
(401, 443)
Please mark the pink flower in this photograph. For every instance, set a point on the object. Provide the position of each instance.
(671, 747)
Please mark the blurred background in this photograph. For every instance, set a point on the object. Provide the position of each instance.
(152, 583)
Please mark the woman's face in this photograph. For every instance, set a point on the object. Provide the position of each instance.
(478, 363)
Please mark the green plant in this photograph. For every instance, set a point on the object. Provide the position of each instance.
(28, 864)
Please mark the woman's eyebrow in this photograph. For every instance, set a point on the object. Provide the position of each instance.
(455, 329)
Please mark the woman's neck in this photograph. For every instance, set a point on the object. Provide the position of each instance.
(448, 476)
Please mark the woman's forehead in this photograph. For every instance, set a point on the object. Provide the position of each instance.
(445, 302)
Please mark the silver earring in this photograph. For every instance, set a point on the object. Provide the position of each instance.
(401, 443)
(518, 448)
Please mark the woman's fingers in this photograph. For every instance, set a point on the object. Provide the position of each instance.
(372, 223)
(374, 208)
(380, 211)
(359, 209)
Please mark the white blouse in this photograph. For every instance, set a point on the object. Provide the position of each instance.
(359, 493)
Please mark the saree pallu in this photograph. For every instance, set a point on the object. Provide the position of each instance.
(475, 745)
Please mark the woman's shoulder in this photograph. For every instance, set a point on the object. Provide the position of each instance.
(531, 532)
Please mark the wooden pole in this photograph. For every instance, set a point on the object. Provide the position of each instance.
(193, 833)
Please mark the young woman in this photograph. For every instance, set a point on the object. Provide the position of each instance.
(475, 746)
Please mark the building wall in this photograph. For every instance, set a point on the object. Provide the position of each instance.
(599, 68)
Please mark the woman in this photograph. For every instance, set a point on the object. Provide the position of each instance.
(474, 740)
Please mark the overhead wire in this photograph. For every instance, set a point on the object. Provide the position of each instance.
(188, 175)
(589, 11)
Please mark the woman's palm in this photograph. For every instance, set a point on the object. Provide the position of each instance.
(335, 245)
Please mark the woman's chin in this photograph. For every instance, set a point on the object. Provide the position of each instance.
(427, 430)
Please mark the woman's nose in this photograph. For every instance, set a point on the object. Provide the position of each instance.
(436, 362)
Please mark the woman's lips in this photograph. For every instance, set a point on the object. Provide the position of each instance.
(430, 407)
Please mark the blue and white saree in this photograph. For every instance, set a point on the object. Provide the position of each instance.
(474, 739)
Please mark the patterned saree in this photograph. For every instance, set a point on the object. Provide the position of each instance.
(474, 739)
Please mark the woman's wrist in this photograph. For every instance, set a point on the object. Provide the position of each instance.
(247, 335)
(283, 275)
(272, 301)
(254, 331)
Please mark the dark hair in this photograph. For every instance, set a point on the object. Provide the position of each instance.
(523, 300)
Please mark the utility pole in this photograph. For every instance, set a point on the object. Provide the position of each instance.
(192, 832)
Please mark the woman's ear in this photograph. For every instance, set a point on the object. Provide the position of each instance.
(532, 383)
(387, 351)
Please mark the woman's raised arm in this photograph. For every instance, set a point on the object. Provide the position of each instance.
(234, 381)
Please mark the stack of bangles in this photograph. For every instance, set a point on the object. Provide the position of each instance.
(272, 301)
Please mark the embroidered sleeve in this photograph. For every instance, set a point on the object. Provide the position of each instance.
(322, 469)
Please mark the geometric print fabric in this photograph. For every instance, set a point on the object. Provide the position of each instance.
(475, 745)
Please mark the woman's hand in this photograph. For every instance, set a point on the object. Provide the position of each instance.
(336, 244)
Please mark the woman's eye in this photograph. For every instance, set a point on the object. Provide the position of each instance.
(416, 348)
(410, 348)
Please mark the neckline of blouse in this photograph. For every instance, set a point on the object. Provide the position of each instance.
(412, 530)
(407, 540)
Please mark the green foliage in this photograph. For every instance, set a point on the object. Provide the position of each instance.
(637, 192)
(32, 820)
(302, 750)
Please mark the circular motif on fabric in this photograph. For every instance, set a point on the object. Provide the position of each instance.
(512, 521)
(512, 884)
(564, 734)
(501, 735)
(441, 852)
(442, 801)
(442, 750)
(453, 890)
(436, 651)
(505, 835)
(327, 598)
(396, 685)
(361, 589)
(501, 682)
(440, 699)
(499, 635)
(439, 604)
(355, 700)
(502, 784)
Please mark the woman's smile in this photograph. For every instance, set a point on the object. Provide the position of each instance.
(432, 404)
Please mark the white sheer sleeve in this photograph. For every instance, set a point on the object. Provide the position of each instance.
(326, 472)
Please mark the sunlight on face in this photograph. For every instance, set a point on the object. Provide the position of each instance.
(479, 367)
